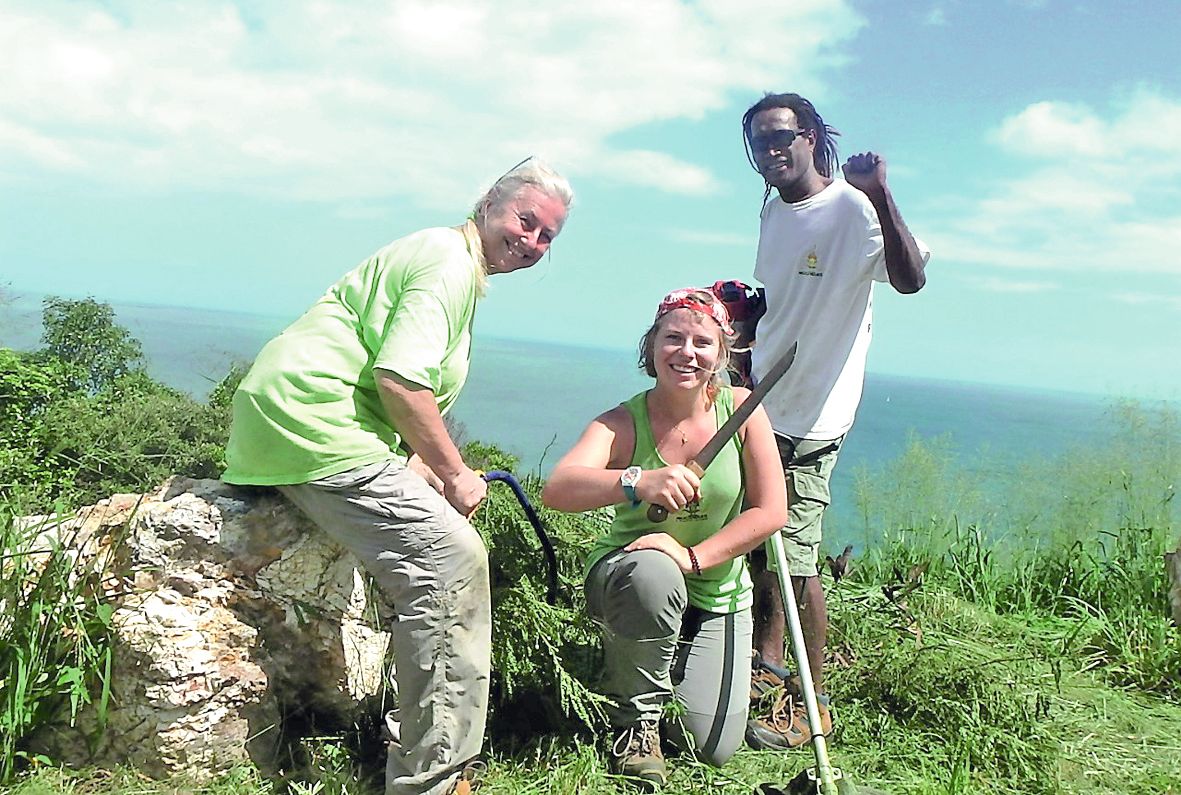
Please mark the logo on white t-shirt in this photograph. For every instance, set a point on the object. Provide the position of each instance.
(811, 261)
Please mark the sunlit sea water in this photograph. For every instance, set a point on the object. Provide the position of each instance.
(533, 399)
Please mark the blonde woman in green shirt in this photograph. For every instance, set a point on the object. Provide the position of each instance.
(343, 412)
(674, 598)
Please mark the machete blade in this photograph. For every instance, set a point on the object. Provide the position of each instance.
(658, 513)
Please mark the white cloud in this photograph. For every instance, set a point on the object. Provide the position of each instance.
(1054, 129)
(316, 100)
(656, 170)
(1100, 191)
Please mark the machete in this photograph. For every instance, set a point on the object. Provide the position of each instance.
(699, 463)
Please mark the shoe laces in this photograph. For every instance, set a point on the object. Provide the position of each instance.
(782, 710)
(474, 770)
(638, 739)
(469, 777)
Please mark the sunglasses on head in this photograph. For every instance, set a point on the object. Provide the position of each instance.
(777, 139)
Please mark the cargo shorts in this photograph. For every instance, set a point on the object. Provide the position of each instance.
(807, 469)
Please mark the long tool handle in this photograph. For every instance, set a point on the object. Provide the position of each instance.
(825, 772)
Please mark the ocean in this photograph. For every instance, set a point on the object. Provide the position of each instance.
(533, 399)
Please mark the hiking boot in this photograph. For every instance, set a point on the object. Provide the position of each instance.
(636, 753)
(469, 779)
(785, 724)
(767, 678)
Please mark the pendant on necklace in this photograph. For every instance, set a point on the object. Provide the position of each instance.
(684, 437)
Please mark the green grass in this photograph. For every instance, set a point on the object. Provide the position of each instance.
(938, 696)
(1030, 655)
(54, 658)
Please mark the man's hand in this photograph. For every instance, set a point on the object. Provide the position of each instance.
(465, 491)
(866, 172)
(904, 261)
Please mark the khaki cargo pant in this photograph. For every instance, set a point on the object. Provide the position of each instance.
(433, 566)
(807, 470)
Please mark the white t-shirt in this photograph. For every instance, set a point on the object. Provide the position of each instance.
(818, 259)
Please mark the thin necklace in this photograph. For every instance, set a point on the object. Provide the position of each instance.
(684, 436)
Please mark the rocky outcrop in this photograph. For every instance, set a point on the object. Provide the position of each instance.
(231, 612)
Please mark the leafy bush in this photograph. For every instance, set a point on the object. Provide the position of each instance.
(131, 436)
(80, 418)
(543, 656)
(84, 335)
(28, 389)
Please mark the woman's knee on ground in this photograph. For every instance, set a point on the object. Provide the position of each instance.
(692, 734)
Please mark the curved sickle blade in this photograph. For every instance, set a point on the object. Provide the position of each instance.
(551, 559)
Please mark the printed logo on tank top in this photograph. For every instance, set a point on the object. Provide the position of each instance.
(692, 512)
(811, 262)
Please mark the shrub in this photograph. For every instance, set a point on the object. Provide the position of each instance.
(28, 389)
(131, 436)
(543, 656)
(81, 418)
(84, 335)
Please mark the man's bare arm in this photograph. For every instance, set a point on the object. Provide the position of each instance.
(904, 262)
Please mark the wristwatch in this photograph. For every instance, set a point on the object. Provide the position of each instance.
(629, 479)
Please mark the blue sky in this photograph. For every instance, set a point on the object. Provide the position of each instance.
(243, 156)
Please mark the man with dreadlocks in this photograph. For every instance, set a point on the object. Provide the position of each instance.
(822, 244)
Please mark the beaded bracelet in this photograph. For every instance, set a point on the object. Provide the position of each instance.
(693, 561)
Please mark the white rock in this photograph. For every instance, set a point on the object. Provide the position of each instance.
(230, 608)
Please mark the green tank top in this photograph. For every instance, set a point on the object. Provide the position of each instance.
(725, 588)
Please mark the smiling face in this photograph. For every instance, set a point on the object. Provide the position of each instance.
(788, 167)
(686, 349)
(518, 230)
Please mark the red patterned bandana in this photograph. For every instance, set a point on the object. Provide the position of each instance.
(690, 298)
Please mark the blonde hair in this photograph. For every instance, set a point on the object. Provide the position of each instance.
(532, 172)
(719, 377)
(475, 246)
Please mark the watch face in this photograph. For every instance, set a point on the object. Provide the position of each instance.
(630, 476)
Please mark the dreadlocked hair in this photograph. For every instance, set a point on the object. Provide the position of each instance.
(824, 154)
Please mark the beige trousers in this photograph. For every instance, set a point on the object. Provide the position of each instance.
(433, 567)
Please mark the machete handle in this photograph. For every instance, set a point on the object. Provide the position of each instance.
(658, 513)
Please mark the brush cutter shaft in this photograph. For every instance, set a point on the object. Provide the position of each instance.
(826, 773)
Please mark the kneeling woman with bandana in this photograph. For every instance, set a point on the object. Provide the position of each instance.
(674, 598)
